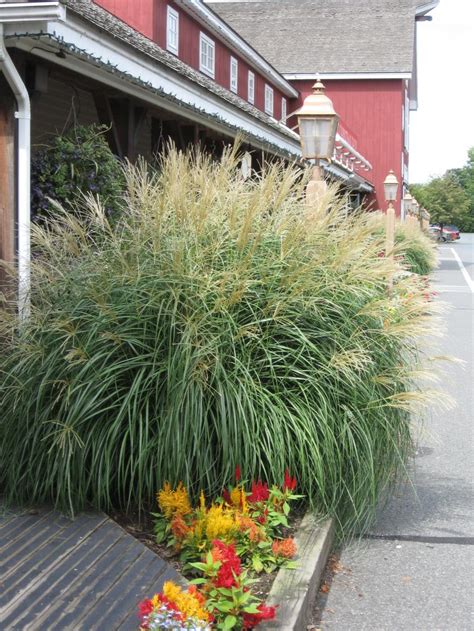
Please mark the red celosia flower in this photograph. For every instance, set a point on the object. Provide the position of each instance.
(262, 519)
(145, 607)
(230, 564)
(260, 492)
(285, 548)
(251, 620)
(290, 483)
(237, 474)
(226, 496)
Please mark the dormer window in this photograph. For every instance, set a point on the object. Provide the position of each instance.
(172, 30)
(234, 72)
(207, 55)
(269, 100)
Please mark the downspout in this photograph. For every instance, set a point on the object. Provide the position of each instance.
(23, 115)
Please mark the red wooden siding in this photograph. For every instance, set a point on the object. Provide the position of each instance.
(138, 14)
(149, 18)
(372, 111)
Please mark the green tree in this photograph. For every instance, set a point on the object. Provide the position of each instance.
(450, 198)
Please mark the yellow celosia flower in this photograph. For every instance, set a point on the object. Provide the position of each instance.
(173, 502)
(189, 603)
(202, 500)
(243, 501)
(220, 523)
(235, 496)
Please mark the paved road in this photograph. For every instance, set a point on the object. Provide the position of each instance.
(416, 573)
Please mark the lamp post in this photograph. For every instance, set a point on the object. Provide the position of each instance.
(390, 188)
(317, 122)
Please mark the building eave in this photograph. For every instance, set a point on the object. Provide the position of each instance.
(12, 12)
(426, 7)
(313, 76)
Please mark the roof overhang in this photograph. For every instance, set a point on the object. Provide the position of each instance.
(312, 76)
(426, 7)
(12, 12)
(92, 53)
(351, 180)
(211, 21)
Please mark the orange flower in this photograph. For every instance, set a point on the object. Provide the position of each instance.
(254, 532)
(179, 528)
(285, 548)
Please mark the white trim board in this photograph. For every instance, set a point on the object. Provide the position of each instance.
(301, 76)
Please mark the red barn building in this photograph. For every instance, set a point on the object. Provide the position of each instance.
(203, 73)
(364, 52)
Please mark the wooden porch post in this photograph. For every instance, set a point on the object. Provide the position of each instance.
(7, 178)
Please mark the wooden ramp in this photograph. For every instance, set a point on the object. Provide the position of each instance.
(81, 574)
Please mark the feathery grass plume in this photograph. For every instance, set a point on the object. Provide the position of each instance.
(218, 322)
(418, 250)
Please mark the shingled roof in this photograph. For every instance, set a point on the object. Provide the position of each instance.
(327, 36)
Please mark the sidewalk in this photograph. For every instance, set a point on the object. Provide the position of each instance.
(86, 574)
(416, 570)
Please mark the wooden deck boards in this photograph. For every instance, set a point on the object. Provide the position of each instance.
(83, 574)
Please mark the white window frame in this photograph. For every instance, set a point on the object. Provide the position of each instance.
(284, 110)
(234, 75)
(207, 61)
(268, 100)
(251, 87)
(172, 16)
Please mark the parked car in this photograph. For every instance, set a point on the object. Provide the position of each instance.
(446, 235)
(453, 229)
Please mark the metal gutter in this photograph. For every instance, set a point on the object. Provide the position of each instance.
(13, 13)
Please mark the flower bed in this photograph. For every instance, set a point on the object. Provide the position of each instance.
(222, 546)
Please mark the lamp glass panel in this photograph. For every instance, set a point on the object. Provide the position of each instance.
(317, 136)
(391, 191)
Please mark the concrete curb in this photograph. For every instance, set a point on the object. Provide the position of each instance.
(294, 591)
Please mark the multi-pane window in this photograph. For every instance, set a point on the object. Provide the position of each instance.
(269, 100)
(207, 51)
(172, 30)
(251, 88)
(283, 110)
(234, 72)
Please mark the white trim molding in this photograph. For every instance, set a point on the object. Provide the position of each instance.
(31, 11)
(346, 75)
(426, 7)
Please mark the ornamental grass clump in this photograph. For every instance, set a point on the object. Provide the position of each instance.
(418, 251)
(219, 321)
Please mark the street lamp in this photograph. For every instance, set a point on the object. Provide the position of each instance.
(407, 203)
(391, 187)
(317, 122)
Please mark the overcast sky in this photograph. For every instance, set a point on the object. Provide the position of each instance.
(442, 130)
